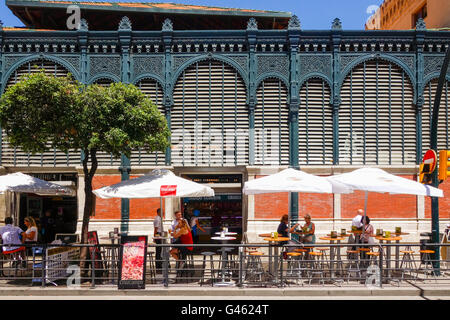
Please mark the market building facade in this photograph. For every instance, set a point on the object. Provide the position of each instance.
(246, 93)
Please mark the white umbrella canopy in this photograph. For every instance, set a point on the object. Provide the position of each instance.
(378, 180)
(19, 182)
(159, 183)
(292, 180)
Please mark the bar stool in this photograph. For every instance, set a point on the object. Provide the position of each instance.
(152, 268)
(205, 255)
(185, 266)
(294, 269)
(364, 259)
(15, 259)
(315, 266)
(426, 260)
(408, 262)
(353, 263)
(373, 258)
(324, 260)
(254, 268)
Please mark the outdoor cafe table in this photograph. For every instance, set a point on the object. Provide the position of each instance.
(272, 243)
(223, 283)
(388, 249)
(397, 249)
(333, 250)
(228, 233)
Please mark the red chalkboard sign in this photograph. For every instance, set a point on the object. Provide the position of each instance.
(95, 254)
(133, 259)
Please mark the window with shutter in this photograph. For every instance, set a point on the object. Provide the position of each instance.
(154, 91)
(315, 123)
(12, 156)
(377, 123)
(443, 137)
(209, 119)
(272, 124)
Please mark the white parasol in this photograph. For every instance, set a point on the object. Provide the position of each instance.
(160, 183)
(19, 182)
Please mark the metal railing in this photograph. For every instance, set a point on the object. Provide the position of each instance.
(240, 265)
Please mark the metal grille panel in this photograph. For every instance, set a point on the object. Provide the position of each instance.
(443, 136)
(315, 124)
(272, 124)
(377, 123)
(209, 119)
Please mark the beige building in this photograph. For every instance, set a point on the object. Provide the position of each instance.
(403, 15)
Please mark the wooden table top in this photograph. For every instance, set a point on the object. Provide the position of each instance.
(400, 234)
(277, 239)
(339, 235)
(331, 239)
(265, 235)
(388, 239)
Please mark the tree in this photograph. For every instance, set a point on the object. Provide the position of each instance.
(41, 112)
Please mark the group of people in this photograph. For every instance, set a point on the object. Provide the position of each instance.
(13, 237)
(181, 231)
(307, 230)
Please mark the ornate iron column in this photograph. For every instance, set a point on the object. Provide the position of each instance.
(252, 29)
(125, 164)
(294, 103)
(420, 38)
(167, 33)
(336, 29)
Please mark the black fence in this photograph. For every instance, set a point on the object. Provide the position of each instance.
(241, 265)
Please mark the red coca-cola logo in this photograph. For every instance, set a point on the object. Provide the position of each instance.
(168, 190)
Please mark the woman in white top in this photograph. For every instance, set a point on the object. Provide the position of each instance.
(31, 234)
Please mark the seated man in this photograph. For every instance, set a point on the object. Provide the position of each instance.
(10, 236)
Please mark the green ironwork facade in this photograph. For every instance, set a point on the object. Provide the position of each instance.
(253, 97)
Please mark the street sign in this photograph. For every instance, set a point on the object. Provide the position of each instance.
(430, 159)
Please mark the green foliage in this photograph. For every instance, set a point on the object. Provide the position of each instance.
(34, 109)
(43, 111)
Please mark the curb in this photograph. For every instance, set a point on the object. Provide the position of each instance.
(232, 292)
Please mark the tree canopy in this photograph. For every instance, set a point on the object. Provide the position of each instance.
(41, 112)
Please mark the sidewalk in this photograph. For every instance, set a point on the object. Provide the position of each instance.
(404, 291)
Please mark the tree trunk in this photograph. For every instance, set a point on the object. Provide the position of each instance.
(88, 204)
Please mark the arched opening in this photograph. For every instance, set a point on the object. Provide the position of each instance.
(315, 123)
(272, 123)
(377, 122)
(209, 118)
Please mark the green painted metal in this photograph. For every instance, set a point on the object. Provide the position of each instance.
(433, 146)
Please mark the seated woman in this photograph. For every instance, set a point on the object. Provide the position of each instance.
(308, 231)
(183, 235)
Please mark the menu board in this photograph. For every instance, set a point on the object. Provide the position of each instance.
(94, 253)
(133, 258)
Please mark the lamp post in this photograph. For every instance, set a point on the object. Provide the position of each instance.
(433, 146)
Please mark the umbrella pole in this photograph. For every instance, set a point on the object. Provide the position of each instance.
(163, 214)
(365, 212)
